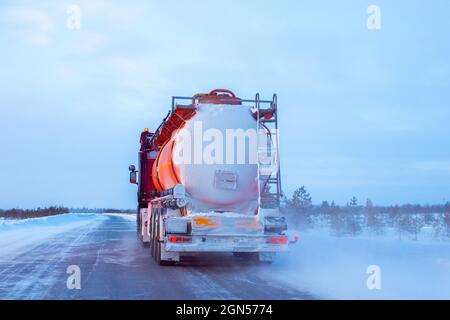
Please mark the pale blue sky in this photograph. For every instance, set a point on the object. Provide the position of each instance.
(362, 112)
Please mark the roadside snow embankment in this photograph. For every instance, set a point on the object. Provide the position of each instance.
(17, 236)
(126, 216)
(336, 267)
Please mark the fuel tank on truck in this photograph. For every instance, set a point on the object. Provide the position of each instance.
(214, 155)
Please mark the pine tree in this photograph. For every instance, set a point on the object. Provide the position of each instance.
(301, 205)
(353, 202)
(403, 224)
(447, 221)
(416, 224)
(352, 217)
(374, 218)
(301, 200)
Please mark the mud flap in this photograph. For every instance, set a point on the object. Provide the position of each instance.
(145, 235)
(167, 256)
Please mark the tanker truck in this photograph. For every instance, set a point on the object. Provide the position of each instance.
(209, 180)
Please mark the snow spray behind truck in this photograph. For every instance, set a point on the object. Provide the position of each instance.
(209, 179)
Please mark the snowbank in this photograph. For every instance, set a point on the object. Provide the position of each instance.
(16, 235)
(335, 267)
(126, 216)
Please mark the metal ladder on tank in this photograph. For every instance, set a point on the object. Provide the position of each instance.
(268, 156)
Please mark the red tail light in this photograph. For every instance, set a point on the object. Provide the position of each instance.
(277, 240)
(179, 239)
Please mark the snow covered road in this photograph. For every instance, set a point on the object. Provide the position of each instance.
(35, 254)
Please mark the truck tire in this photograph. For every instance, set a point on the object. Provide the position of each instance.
(152, 236)
(158, 253)
(138, 222)
(158, 245)
(138, 226)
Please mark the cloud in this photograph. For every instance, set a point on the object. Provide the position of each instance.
(431, 168)
(87, 42)
(34, 26)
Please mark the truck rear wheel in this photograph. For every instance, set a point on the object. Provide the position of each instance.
(155, 245)
(152, 248)
(152, 236)
(138, 226)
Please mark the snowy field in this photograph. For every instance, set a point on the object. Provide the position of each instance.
(19, 235)
(336, 267)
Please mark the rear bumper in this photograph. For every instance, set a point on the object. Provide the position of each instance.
(226, 243)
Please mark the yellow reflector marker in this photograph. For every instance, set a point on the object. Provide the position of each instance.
(206, 222)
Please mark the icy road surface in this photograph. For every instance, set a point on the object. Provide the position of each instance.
(35, 254)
